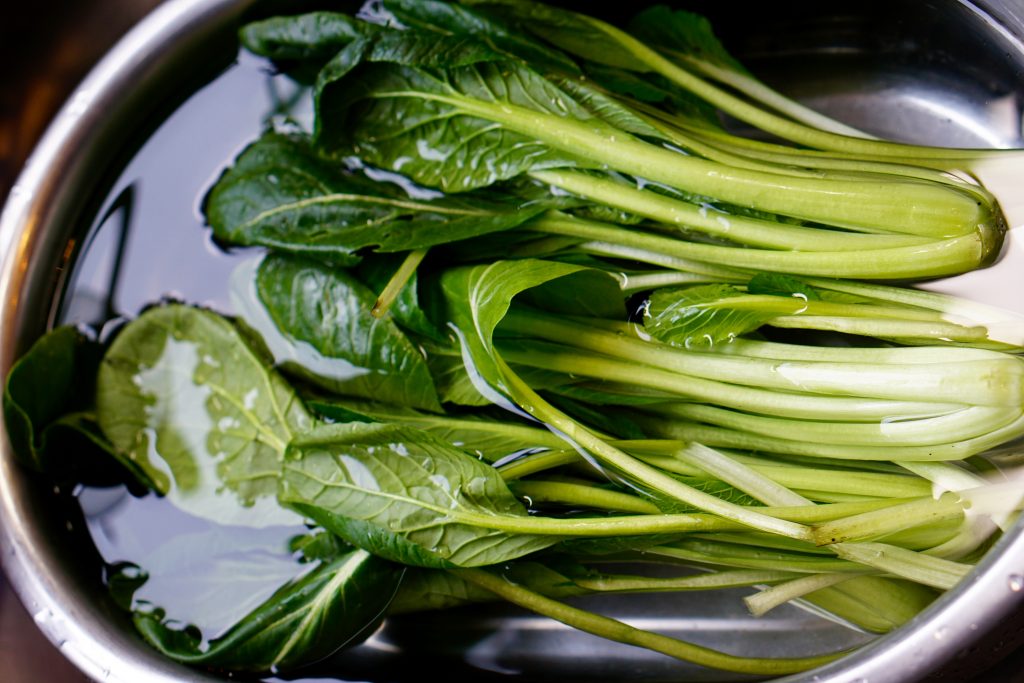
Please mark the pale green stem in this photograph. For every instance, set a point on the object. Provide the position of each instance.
(914, 566)
(397, 282)
(618, 631)
(768, 599)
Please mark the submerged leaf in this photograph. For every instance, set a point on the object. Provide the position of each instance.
(182, 395)
(783, 285)
(405, 495)
(338, 602)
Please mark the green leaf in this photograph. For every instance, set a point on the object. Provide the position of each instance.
(700, 317)
(404, 495)
(317, 323)
(334, 605)
(456, 19)
(283, 194)
(183, 397)
(406, 310)
(480, 296)
(425, 82)
(567, 30)
(48, 411)
(682, 32)
(777, 284)
(315, 37)
(480, 435)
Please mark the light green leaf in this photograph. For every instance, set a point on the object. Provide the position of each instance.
(339, 601)
(405, 495)
(181, 395)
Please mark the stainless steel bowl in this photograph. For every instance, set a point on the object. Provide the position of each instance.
(946, 72)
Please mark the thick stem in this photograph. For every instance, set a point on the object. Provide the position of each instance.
(935, 259)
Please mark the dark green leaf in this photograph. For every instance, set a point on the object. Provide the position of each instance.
(282, 194)
(456, 19)
(181, 395)
(333, 605)
(404, 495)
(575, 33)
(684, 33)
(480, 296)
(317, 323)
(48, 411)
(406, 310)
(314, 37)
(700, 317)
(655, 89)
(400, 103)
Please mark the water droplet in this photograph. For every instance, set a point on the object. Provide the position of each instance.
(1015, 582)
(940, 633)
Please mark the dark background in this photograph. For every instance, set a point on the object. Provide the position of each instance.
(46, 47)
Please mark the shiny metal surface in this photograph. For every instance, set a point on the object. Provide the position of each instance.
(926, 71)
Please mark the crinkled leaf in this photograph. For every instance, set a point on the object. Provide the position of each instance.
(458, 19)
(283, 194)
(317, 323)
(488, 438)
(395, 102)
(700, 317)
(315, 37)
(338, 602)
(182, 396)
(682, 32)
(404, 495)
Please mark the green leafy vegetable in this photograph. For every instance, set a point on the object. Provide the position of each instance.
(284, 194)
(183, 397)
(318, 323)
(339, 601)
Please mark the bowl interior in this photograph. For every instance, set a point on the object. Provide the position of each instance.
(127, 231)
